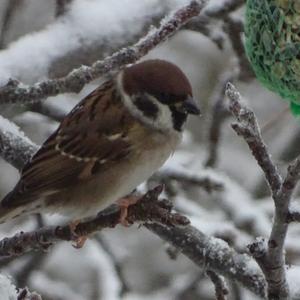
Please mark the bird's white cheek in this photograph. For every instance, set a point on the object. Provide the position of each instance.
(164, 119)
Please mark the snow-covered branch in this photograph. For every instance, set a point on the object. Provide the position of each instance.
(248, 128)
(147, 209)
(15, 148)
(221, 289)
(270, 256)
(16, 92)
(214, 254)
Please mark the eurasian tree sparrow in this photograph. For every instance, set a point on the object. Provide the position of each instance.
(113, 140)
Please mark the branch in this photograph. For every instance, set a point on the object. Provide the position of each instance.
(182, 176)
(224, 8)
(217, 11)
(218, 114)
(25, 294)
(270, 256)
(248, 128)
(61, 7)
(148, 209)
(12, 6)
(234, 28)
(15, 92)
(221, 289)
(15, 148)
(213, 254)
(34, 262)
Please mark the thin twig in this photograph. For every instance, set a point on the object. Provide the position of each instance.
(25, 294)
(61, 7)
(186, 177)
(12, 6)
(191, 287)
(33, 263)
(221, 289)
(217, 116)
(220, 11)
(248, 128)
(234, 28)
(208, 252)
(224, 8)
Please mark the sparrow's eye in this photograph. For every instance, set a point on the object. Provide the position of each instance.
(163, 97)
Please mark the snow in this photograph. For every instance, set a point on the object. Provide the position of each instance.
(93, 270)
(293, 278)
(295, 206)
(88, 22)
(8, 127)
(7, 289)
(14, 138)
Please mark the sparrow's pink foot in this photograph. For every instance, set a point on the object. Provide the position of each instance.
(78, 241)
(124, 203)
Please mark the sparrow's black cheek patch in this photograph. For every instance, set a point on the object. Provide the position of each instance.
(178, 119)
(148, 108)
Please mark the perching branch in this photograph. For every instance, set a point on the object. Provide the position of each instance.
(148, 209)
(228, 6)
(270, 256)
(16, 92)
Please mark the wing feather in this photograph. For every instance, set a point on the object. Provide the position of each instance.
(90, 138)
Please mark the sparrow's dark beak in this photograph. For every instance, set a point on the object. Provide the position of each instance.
(190, 106)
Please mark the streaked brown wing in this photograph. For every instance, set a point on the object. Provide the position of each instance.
(88, 141)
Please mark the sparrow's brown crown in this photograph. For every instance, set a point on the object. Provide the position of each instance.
(159, 88)
(159, 78)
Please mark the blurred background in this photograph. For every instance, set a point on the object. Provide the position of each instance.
(49, 38)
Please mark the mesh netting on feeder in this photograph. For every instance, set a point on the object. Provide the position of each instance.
(272, 31)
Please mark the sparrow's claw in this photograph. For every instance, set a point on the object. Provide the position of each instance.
(124, 203)
(77, 241)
